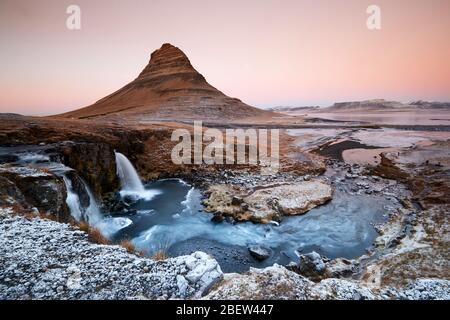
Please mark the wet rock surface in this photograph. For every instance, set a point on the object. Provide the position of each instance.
(311, 265)
(317, 267)
(259, 252)
(94, 162)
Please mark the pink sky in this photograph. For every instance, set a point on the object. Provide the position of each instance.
(267, 53)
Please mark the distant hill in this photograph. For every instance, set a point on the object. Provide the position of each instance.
(288, 108)
(168, 88)
(383, 105)
(430, 105)
(375, 104)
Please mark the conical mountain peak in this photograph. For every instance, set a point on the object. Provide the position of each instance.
(168, 87)
(167, 60)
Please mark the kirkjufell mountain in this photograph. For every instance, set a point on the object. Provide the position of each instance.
(168, 88)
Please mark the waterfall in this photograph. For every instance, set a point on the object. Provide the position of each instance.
(91, 214)
(127, 174)
(72, 200)
(129, 179)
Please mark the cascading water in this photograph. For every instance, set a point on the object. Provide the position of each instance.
(91, 214)
(129, 179)
(79, 210)
(72, 200)
(127, 174)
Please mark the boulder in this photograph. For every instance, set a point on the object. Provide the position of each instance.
(340, 267)
(292, 199)
(203, 271)
(267, 203)
(259, 252)
(311, 265)
(274, 282)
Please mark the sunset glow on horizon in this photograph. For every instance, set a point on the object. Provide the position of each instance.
(266, 53)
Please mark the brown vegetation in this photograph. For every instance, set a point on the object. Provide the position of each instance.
(94, 235)
(127, 245)
(160, 255)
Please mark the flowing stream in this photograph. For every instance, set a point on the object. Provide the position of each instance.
(174, 221)
(168, 215)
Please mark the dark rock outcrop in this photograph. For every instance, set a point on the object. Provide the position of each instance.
(10, 194)
(36, 188)
(94, 162)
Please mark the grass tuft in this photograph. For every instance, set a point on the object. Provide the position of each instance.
(128, 245)
(160, 255)
(94, 235)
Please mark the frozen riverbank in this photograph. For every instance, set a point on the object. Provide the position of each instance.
(43, 259)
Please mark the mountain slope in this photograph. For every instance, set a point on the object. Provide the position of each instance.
(168, 88)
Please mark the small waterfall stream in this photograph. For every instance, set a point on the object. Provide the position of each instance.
(72, 200)
(127, 174)
(131, 187)
(129, 179)
(92, 214)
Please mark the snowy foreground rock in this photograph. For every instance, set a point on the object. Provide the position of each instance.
(276, 282)
(43, 259)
